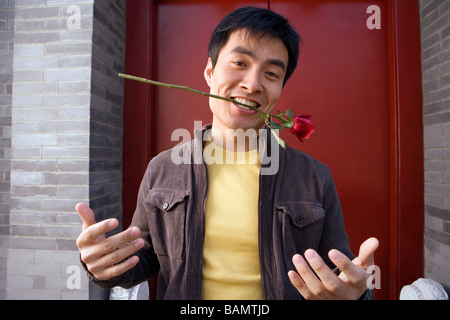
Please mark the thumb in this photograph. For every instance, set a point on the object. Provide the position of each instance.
(86, 215)
(366, 252)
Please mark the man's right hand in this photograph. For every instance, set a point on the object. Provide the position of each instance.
(103, 256)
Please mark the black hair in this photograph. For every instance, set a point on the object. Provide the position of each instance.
(256, 22)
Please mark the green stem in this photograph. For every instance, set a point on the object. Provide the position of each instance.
(173, 86)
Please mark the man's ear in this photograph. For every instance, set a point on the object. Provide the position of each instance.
(208, 72)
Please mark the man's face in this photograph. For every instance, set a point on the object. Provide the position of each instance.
(249, 68)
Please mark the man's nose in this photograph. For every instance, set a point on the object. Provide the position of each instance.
(251, 81)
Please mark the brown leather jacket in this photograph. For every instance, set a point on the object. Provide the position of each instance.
(298, 209)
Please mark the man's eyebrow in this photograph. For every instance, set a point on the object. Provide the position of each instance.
(277, 62)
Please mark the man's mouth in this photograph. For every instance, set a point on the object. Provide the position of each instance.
(246, 104)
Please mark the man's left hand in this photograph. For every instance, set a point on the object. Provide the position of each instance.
(317, 281)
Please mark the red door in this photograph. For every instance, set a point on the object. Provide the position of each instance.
(350, 79)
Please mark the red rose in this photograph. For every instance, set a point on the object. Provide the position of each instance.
(302, 127)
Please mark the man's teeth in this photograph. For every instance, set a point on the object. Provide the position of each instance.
(246, 102)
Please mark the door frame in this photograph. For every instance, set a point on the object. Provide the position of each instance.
(406, 129)
(407, 167)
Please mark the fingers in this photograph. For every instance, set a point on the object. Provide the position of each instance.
(108, 266)
(322, 283)
(107, 252)
(367, 251)
(105, 259)
(315, 280)
(297, 279)
(96, 232)
(350, 273)
(86, 215)
(301, 286)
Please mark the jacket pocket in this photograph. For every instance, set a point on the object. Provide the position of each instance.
(167, 221)
(302, 224)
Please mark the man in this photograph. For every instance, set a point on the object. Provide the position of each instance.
(216, 230)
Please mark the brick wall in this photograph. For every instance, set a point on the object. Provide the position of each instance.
(66, 133)
(108, 59)
(6, 69)
(435, 31)
(50, 147)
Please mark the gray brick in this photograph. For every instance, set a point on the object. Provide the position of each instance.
(70, 218)
(36, 13)
(67, 244)
(447, 178)
(69, 2)
(36, 37)
(35, 63)
(28, 101)
(73, 139)
(433, 154)
(76, 61)
(432, 176)
(35, 88)
(27, 127)
(25, 178)
(73, 192)
(65, 205)
(68, 232)
(35, 139)
(74, 113)
(20, 282)
(66, 100)
(65, 152)
(437, 188)
(73, 165)
(25, 204)
(446, 129)
(26, 153)
(437, 165)
(76, 35)
(29, 50)
(29, 76)
(68, 48)
(75, 87)
(65, 178)
(433, 131)
(36, 217)
(67, 126)
(29, 25)
(36, 269)
(78, 74)
(437, 142)
(32, 243)
(30, 3)
(60, 257)
(25, 230)
(33, 191)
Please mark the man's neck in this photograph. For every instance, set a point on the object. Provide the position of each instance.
(237, 140)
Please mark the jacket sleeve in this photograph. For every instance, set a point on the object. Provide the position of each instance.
(148, 264)
(334, 235)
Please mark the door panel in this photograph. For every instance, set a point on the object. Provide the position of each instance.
(342, 80)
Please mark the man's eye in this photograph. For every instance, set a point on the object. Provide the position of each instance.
(239, 63)
(272, 75)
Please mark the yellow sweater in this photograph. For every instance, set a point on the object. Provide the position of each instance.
(231, 267)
